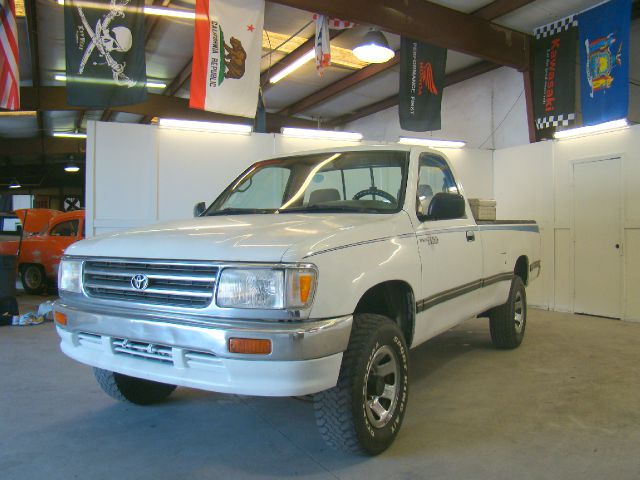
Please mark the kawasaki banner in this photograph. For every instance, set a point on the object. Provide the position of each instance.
(104, 45)
(604, 61)
(554, 84)
(226, 56)
(421, 83)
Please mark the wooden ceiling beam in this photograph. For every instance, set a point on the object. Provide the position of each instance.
(498, 8)
(489, 12)
(55, 98)
(178, 82)
(339, 86)
(432, 23)
(450, 79)
(35, 146)
(289, 59)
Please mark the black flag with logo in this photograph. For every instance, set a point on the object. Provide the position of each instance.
(104, 43)
(554, 81)
(421, 82)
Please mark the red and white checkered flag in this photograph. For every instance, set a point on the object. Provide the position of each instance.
(9, 74)
(336, 23)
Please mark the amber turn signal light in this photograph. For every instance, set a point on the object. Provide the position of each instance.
(60, 318)
(306, 281)
(252, 346)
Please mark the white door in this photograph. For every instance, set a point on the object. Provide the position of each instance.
(597, 213)
(451, 255)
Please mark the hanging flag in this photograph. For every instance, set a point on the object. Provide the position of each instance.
(421, 83)
(604, 61)
(9, 73)
(226, 56)
(104, 45)
(336, 23)
(554, 83)
(323, 46)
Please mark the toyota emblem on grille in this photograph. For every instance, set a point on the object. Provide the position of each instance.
(140, 281)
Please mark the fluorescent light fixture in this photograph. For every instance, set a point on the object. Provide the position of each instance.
(161, 11)
(311, 54)
(321, 134)
(156, 85)
(205, 126)
(592, 129)
(374, 48)
(69, 135)
(18, 113)
(15, 183)
(63, 78)
(170, 12)
(430, 142)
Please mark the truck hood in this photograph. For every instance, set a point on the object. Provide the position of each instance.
(255, 238)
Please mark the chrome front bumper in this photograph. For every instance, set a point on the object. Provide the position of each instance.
(305, 357)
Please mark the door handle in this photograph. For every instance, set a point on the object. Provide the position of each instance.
(471, 237)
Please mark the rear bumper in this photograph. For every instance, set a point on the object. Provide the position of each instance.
(305, 358)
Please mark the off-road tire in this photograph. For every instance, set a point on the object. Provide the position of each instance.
(341, 413)
(131, 389)
(34, 280)
(507, 323)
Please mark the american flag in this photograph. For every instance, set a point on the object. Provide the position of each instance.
(9, 74)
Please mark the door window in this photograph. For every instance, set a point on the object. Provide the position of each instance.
(65, 229)
(434, 176)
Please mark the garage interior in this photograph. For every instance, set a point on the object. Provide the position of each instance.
(563, 405)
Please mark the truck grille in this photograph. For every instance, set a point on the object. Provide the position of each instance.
(174, 284)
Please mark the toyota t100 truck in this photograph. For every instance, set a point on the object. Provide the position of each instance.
(310, 274)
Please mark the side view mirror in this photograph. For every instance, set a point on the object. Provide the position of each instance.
(446, 206)
(199, 209)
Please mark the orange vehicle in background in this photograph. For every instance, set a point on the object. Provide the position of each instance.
(46, 234)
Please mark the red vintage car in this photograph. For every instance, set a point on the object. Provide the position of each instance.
(40, 252)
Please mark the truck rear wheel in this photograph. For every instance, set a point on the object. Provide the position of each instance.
(507, 322)
(131, 389)
(364, 411)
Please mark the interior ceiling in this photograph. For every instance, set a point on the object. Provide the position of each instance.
(169, 48)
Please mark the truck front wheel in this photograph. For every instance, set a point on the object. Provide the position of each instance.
(131, 389)
(364, 411)
(508, 322)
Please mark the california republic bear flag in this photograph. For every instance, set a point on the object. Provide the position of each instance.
(104, 45)
(226, 56)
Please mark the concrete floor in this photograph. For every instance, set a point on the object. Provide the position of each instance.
(565, 405)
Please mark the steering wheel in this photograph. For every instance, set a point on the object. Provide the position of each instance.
(375, 191)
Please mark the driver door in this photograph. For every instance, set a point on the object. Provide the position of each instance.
(451, 254)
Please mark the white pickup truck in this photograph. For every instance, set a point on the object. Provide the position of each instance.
(310, 274)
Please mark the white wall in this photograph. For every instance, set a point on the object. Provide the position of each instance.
(141, 174)
(536, 181)
(487, 111)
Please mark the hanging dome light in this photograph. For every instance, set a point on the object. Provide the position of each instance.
(373, 48)
(71, 168)
(15, 183)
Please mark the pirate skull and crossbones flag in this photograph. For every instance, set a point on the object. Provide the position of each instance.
(104, 42)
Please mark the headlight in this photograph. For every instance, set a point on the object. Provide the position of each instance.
(70, 276)
(266, 288)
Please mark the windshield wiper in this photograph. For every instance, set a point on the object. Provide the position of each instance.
(329, 209)
(239, 211)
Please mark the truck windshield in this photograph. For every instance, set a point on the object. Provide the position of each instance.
(362, 181)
